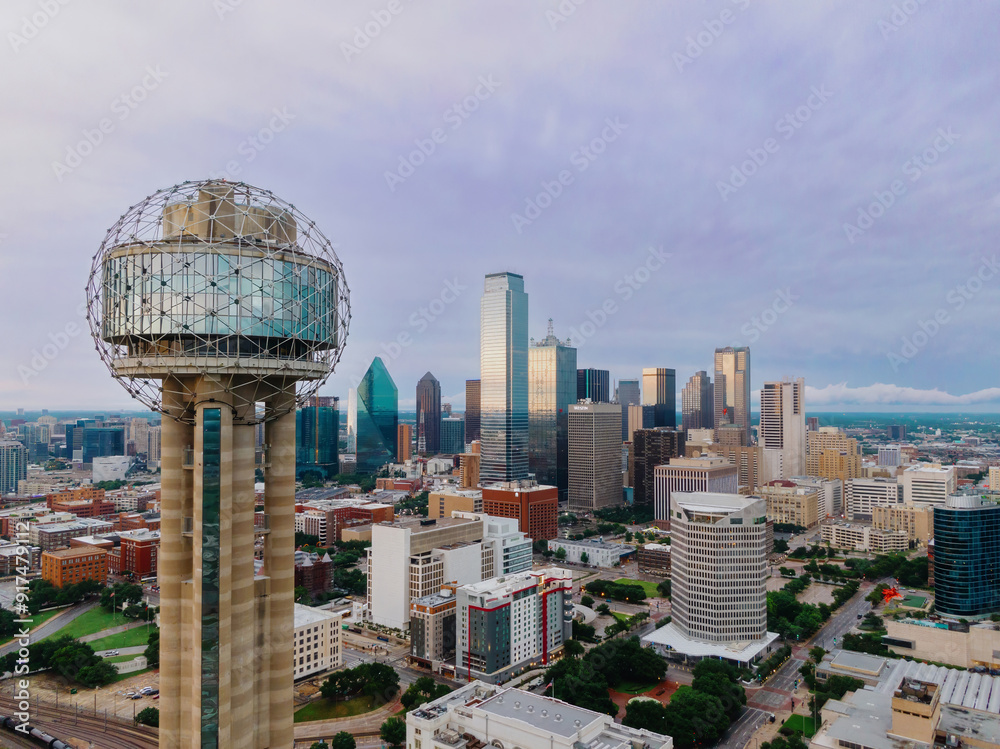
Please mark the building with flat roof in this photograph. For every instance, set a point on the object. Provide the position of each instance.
(862, 495)
(787, 502)
(830, 494)
(963, 645)
(890, 456)
(783, 428)
(651, 448)
(432, 628)
(595, 467)
(592, 551)
(449, 499)
(512, 622)
(701, 474)
(994, 478)
(535, 507)
(917, 522)
(63, 567)
(841, 534)
(717, 537)
(659, 389)
(316, 642)
(831, 454)
(654, 559)
(13, 465)
(480, 715)
(928, 483)
(731, 391)
(552, 387)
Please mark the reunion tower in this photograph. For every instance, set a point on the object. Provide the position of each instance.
(221, 306)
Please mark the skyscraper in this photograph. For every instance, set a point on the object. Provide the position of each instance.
(593, 385)
(378, 419)
(428, 415)
(783, 429)
(352, 419)
(551, 390)
(472, 410)
(317, 433)
(13, 465)
(595, 456)
(627, 394)
(732, 388)
(404, 443)
(659, 389)
(967, 557)
(503, 358)
(696, 403)
(651, 448)
(453, 435)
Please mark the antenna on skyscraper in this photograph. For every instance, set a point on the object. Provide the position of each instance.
(551, 330)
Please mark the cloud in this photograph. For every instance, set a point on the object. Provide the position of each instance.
(881, 394)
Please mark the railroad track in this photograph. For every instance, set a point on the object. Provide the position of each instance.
(107, 733)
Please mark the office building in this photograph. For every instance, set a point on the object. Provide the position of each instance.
(100, 442)
(316, 642)
(962, 645)
(896, 432)
(534, 506)
(593, 385)
(404, 443)
(889, 456)
(377, 419)
(861, 496)
(627, 394)
(452, 435)
(592, 551)
(639, 417)
(783, 428)
(717, 537)
(442, 503)
(551, 389)
(659, 389)
(916, 522)
(830, 494)
(511, 622)
(327, 519)
(812, 423)
(701, 474)
(138, 552)
(994, 479)
(651, 448)
(928, 483)
(62, 567)
(412, 558)
(747, 459)
(841, 534)
(731, 389)
(503, 357)
(698, 403)
(967, 557)
(153, 446)
(654, 559)
(468, 466)
(472, 412)
(595, 457)
(352, 419)
(317, 436)
(832, 454)
(13, 465)
(429, 415)
(480, 715)
(789, 503)
(432, 628)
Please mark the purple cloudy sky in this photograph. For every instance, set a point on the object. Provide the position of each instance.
(750, 144)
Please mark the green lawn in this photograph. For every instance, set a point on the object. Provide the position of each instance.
(620, 616)
(37, 621)
(91, 622)
(122, 658)
(803, 723)
(650, 588)
(325, 709)
(130, 638)
(913, 602)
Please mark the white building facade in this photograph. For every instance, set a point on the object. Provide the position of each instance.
(316, 642)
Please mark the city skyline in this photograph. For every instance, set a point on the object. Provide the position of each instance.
(830, 140)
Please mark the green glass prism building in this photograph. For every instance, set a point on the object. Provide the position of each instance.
(967, 557)
(504, 379)
(378, 419)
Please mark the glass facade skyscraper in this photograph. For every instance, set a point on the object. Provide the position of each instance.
(317, 434)
(967, 557)
(472, 396)
(429, 415)
(552, 376)
(593, 385)
(697, 407)
(503, 360)
(378, 419)
(659, 389)
(627, 394)
(453, 435)
(732, 388)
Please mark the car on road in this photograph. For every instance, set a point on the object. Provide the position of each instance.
(136, 697)
(113, 652)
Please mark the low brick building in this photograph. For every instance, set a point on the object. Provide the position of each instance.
(68, 566)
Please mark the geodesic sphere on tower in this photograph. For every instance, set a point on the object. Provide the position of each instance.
(220, 279)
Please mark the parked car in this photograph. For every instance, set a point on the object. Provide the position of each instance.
(136, 697)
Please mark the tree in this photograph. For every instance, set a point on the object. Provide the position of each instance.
(584, 601)
(424, 689)
(645, 714)
(320, 745)
(730, 694)
(560, 553)
(373, 679)
(152, 651)
(584, 557)
(393, 732)
(664, 589)
(305, 539)
(782, 742)
(604, 610)
(817, 653)
(97, 674)
(572, 648)
(780, 546)
(148, 716)
(343, 740)
(693, 717)
(302, 596)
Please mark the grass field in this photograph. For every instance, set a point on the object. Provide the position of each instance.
(37, 621)
(620, 616)
(650, 588)
(122, 658)
(91, 622)
(130, 638)
(802, 723)
(325, 709)
(913, 602)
